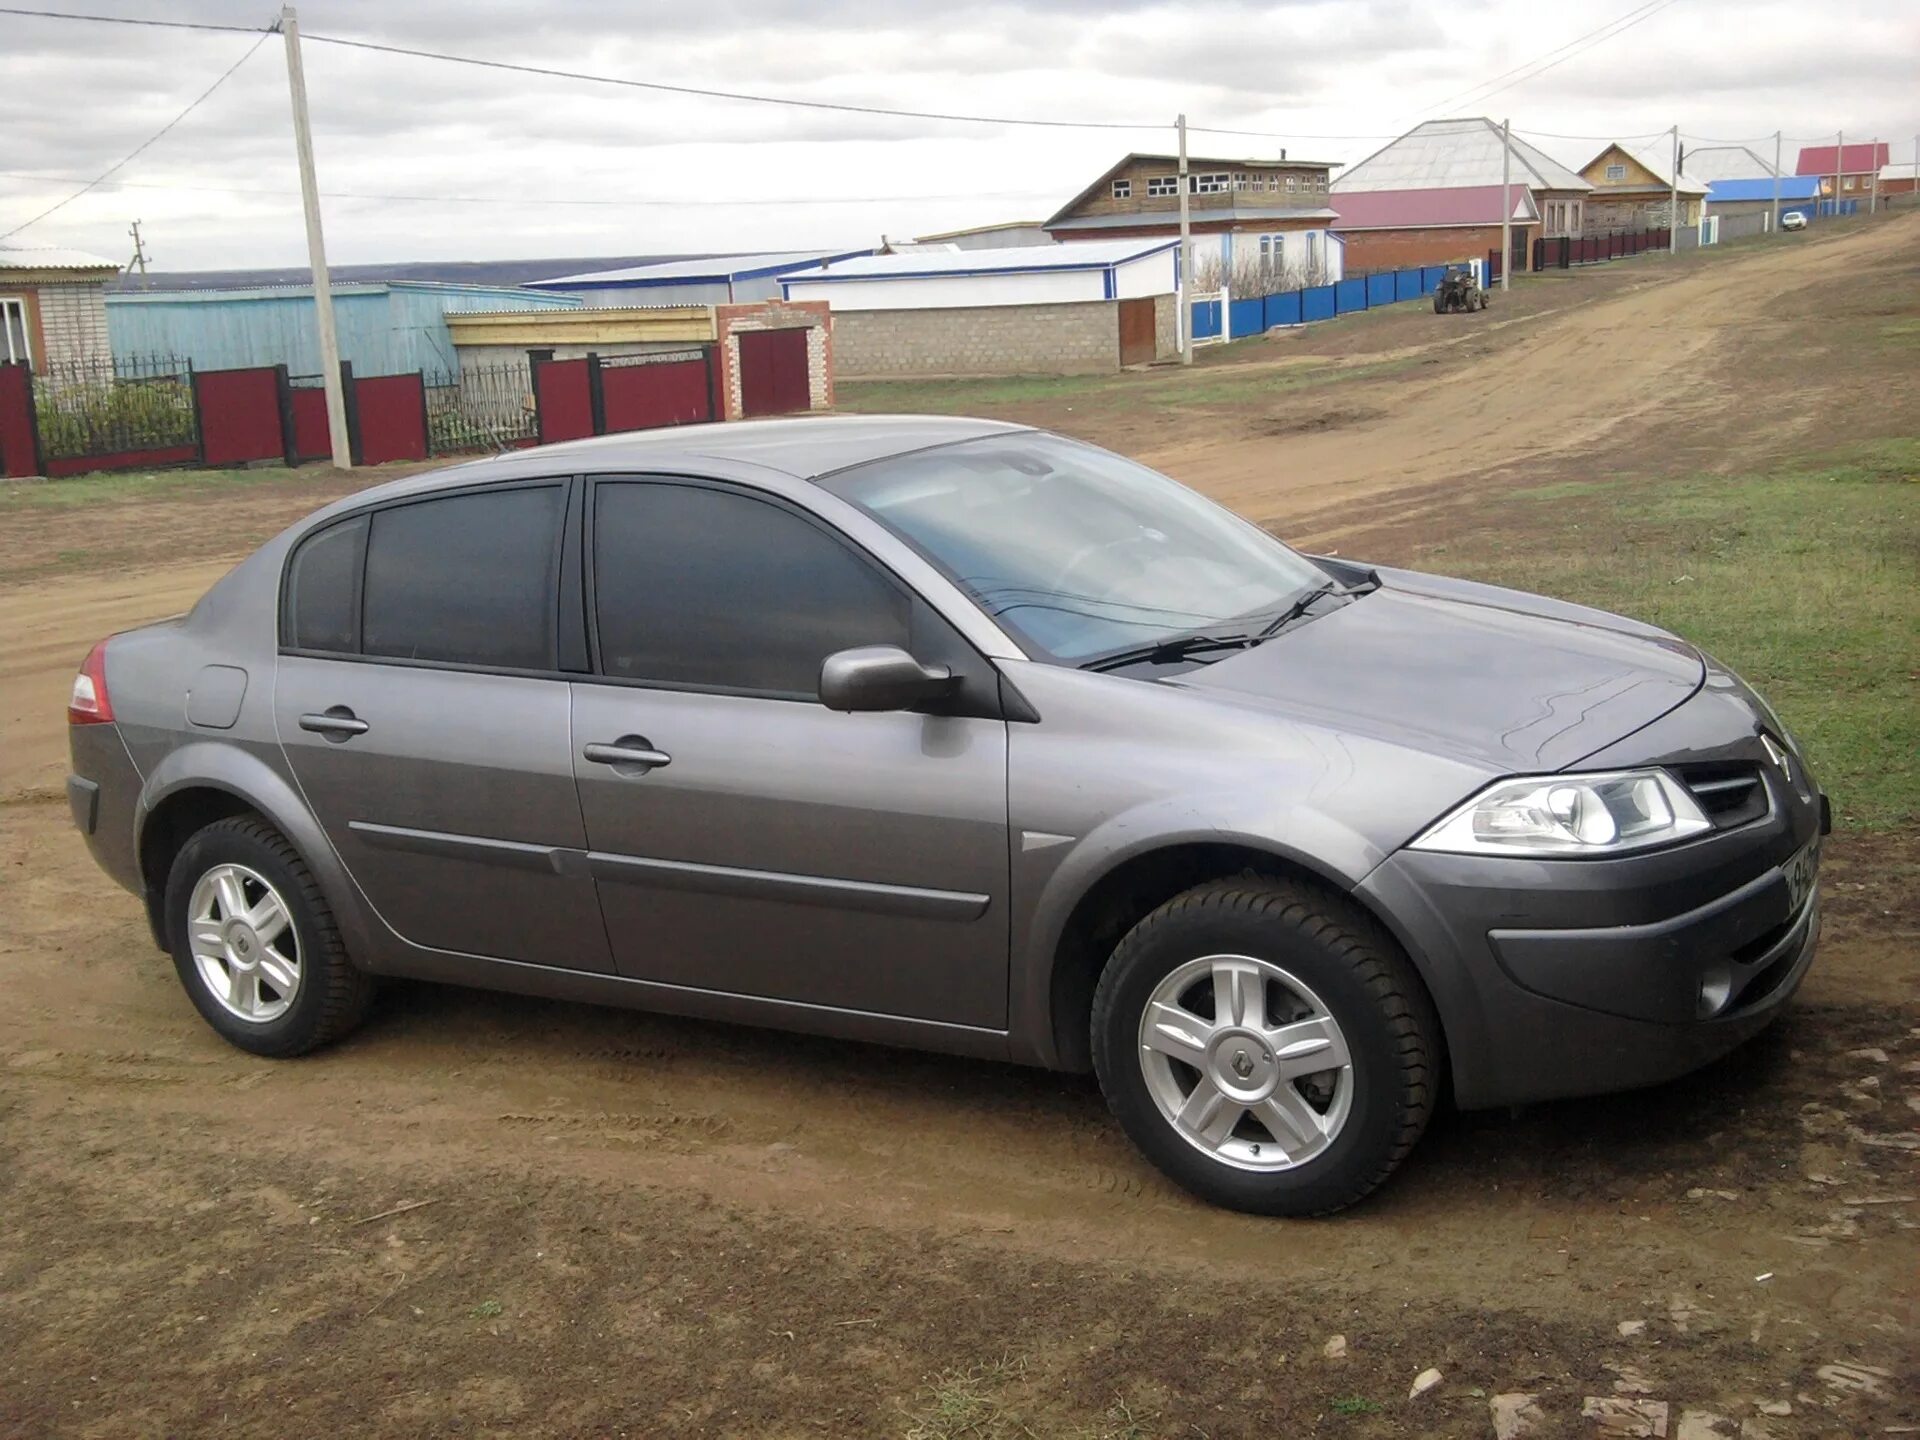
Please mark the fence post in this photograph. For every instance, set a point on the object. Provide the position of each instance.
(354, 448)
(716, 402)
(289, 439)
(596, 395)
(426, 421)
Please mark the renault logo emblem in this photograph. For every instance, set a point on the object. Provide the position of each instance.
(1242, 1064)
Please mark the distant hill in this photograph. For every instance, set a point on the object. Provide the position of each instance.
(448, 272)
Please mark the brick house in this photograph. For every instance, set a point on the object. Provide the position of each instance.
(1264, 221)
(53, 306)
(1397, 229)
(1856, 167)
(1464, 154)
(1631, 192)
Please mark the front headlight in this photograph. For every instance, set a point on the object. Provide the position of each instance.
(1560, 815)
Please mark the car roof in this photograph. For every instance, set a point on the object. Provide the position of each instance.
(803, 447)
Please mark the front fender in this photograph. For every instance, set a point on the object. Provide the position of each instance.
(1049, 882)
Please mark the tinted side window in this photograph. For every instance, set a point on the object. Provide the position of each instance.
(707, 588)
(323, 589)
(469, 579)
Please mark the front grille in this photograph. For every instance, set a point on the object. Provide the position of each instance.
(1731, 793)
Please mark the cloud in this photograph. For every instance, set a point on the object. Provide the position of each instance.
(74, 98)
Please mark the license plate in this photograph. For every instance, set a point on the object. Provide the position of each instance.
(1801, 871)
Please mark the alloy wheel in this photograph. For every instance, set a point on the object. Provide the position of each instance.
(244, 948)
(1246, 1062)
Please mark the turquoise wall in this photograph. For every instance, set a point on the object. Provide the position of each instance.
(384, 329)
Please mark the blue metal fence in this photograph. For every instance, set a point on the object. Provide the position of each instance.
(1252, 315)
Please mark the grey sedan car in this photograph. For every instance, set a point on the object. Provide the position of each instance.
(959, 735)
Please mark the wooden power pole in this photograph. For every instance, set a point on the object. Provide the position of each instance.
(1506, 201)
(1185, 287)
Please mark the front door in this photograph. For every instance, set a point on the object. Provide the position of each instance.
(421, 712)
(744, 838)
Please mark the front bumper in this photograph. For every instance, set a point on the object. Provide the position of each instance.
(1556, 978)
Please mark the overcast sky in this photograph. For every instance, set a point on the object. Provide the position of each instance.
(1322, 76)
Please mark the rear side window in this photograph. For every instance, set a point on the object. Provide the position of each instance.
(323, 589)
(712, 590)
(469, 580)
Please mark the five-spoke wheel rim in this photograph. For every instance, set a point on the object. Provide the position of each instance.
(1245, 1062)
(242, 939)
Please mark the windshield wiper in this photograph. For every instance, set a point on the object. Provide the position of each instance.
(1166, 652)
(1183, 647)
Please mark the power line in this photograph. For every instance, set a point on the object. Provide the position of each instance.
(144, 144)
(131, 20)
(1487, 89)
(523, 199)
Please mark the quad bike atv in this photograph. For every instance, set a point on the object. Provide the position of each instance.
(1457, 291)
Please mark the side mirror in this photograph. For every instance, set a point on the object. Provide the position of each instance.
(880, 677)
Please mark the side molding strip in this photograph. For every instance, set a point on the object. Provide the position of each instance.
(513, 854)
(788, 889)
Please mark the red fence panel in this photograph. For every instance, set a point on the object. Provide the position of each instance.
(241, 417)
(563, 400)
(311, 439)
(391, 411)
(641, 396)
(773, 372)
(19, 435)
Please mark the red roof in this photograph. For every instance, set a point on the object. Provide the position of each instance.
(1859, 159)
(1416, 209)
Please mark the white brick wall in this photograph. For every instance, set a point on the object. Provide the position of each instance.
(1072, 338)
(74, 320)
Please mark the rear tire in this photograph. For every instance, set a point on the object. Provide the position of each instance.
(255, 944)
(1227, 1105)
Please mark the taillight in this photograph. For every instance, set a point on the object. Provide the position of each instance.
(89, 704)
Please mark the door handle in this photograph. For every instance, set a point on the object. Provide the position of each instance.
(628, 750)
(336, 723)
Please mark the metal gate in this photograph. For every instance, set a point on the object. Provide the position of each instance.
(773, 372)
(1136, 331)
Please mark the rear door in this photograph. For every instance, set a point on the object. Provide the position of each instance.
(421, 704)
(771, 847)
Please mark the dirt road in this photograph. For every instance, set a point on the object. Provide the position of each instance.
(484, 1215)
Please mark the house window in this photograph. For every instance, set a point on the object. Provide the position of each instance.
(1616, 172)
(13, 331)
(1290, 184)
(1163, 185)
(1123, 189)
(1215, 184)
(1852, 180)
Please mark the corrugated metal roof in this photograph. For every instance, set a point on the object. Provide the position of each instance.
(1819, 159)
(1904, 170)
(1710, 163)
(445, 272)
(1170, 220)
(718, 269)
(1081, 255)
(1451, 154)
(52, 257)
(1658, 163)
(1792, 188)
(1423, 209)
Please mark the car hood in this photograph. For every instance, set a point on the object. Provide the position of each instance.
(1497, 678)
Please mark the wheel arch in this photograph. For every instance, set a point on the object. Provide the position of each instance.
(1130, 887)
(199, 784)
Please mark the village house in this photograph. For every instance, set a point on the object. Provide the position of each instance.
(1427, 172)
(1633, 191)
(53, 307)
(1261, 224)
(1856, 169)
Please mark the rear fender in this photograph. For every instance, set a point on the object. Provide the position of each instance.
(244, 774)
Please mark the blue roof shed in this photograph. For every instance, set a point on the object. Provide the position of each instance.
(385, 329)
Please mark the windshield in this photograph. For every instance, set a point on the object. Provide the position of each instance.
(1076, 551)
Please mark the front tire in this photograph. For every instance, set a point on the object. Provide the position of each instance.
(255, 943)
(1267, 1046)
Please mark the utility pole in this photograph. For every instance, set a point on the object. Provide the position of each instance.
(1673, 197)
(139, 253)
(316, 249)
(1506, 201)
(1186, 255)
(1839, 164)
(1873, 180)
(1776, 181)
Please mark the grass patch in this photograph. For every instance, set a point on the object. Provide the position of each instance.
(92, 489)
(1803, 579)
(1354, 1405)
